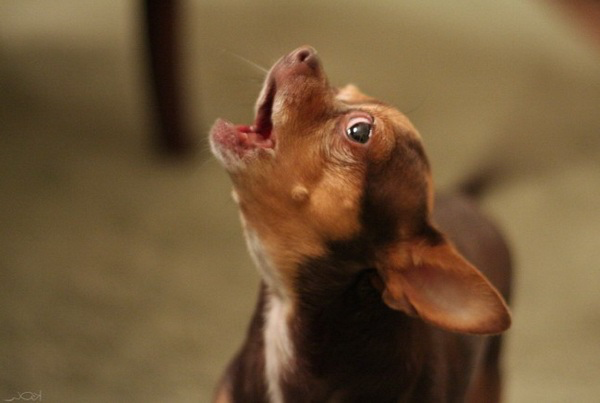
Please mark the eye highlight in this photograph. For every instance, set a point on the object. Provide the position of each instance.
(359, 129)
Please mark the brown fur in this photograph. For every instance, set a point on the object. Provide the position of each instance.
(348, 239)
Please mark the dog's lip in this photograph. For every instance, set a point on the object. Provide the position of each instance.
(243, 139)
(239, 139)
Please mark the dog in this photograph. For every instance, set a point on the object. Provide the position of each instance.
(373, 289)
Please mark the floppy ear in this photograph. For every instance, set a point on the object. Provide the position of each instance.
(436, 283)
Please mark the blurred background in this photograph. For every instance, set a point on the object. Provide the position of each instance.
(123, 272)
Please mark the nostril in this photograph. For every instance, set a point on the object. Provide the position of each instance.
(303, 55)
(307, 56)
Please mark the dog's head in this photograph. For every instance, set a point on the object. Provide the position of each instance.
(322, 165)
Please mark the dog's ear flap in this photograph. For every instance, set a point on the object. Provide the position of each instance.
(437, 284)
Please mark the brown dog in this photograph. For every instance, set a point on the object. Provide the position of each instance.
(365, 296)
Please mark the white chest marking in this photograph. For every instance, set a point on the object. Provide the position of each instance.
(261, 260)
(279, 350)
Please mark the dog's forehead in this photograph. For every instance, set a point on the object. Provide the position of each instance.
(351, 97)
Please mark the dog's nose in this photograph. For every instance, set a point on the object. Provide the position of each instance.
(306, 55)
(302, 61)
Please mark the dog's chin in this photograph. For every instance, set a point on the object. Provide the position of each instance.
(235, 145)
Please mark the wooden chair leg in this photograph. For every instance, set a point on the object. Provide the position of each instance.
(164, 59)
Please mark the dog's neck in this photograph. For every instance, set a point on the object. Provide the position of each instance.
(339, 340)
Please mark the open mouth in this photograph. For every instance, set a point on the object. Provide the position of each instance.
(262, 129)
(241, 140)
(234, 144)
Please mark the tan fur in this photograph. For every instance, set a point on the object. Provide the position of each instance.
(300, 193)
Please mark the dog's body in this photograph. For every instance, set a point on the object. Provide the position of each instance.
(364, 295)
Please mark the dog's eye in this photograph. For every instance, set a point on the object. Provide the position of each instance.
(359, 129)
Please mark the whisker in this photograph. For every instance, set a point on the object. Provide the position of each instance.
(243, 59)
